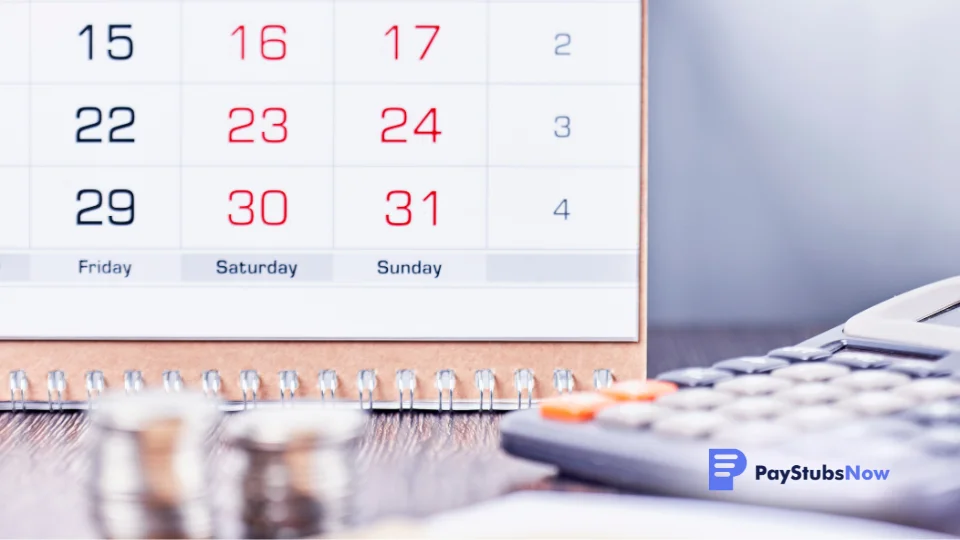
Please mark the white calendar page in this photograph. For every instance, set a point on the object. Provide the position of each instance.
(319, 169)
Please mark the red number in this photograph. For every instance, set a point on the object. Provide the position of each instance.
(430, 117)
(405, 207)
(263, 208)
(396, 41)
(432, 195)
(248, 207)
(251, 215)
(282, 124)
(395, 30)
(280, 131)
(234, 131)
(383, 134)
(436, 30)
(243, 41)
(264, 41)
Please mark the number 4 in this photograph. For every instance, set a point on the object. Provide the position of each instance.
(562, 210)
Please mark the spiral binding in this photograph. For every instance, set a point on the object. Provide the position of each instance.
(445, 381)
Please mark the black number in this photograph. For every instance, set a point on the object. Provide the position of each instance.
(113, 35)
(99, 115)
(562, 210)
(563, 127)
(114, 112)
(563, 41)
(114, 131)
(124, 209)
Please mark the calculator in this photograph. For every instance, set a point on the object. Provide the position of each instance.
(861, 420)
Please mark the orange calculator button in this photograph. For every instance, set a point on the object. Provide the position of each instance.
(638, 390)
(578, 407)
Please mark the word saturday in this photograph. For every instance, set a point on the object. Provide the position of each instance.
(275, 268)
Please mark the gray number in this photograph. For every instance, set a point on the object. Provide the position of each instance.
(563, 127)
(563, 41)
(562, 210)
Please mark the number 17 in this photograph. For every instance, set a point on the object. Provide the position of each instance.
(395, 30)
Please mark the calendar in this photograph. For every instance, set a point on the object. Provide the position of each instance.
(336, 170)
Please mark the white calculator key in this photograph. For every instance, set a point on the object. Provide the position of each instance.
(928, 390)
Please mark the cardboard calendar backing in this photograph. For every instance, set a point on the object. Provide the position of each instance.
(75, 358)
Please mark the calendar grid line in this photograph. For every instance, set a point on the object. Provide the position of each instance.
(333, 127)
(180, 194)
(487, 120)
(330, 83)
(29, 123)
(315, 166)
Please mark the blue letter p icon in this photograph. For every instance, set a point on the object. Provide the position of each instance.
(725, 463)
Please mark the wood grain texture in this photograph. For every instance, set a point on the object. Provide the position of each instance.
(410, 465)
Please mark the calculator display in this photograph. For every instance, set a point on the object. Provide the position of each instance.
(320, 169)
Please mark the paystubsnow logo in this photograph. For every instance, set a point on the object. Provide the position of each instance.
(725, 464)
(728, 463)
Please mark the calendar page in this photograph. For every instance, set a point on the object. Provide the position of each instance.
(463, 170)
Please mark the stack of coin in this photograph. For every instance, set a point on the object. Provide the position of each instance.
(149, 475)
(289, 472)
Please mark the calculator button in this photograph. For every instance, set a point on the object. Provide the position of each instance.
(751, 364)
(637, 415)
(578, 407)
(942, 441)
(884, 427)
(927, 390)
(692, 377)
(871, 380)
(638, 390)
(755, 433)
(817, 417)
(800, 354)
(860, 360)
(753, 385)
(695, 399)
(814, 394)
(691, 424)
(817, 372)
(754, 408)
(918, 369)
(939, 412)
(876, 403)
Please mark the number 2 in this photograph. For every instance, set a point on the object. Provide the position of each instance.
(563, 41)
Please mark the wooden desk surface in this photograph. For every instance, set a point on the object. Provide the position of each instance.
(412, 464)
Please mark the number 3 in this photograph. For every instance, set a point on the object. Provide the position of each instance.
(563, 127)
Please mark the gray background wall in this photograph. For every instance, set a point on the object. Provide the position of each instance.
(804, 156)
